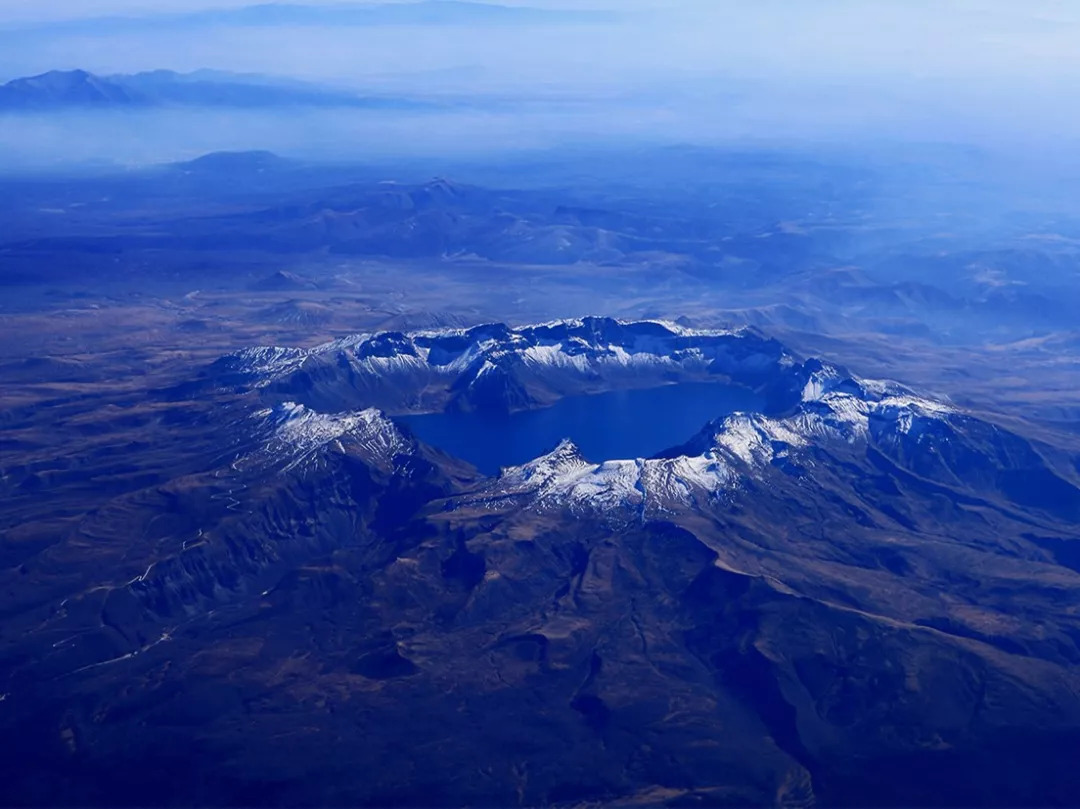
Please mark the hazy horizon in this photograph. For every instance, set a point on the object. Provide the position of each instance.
(985, 74)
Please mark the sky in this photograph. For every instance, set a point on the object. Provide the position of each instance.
(22, 10)
(997, 39)
(978, 71)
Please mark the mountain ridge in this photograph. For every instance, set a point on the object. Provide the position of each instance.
(60, 90)
(843, 597)
(809, 407)
(498, 367)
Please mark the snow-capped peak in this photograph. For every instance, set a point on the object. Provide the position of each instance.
(564, 459)
(563, 478)
(299, 434)
(496, 366)
(838, 411)
(755, 439)
(807, 405)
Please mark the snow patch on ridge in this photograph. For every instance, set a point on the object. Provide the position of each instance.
(729, 453)
(268, 363)
(813, 404)
(583, 350)
(299, 434)
(564, 479)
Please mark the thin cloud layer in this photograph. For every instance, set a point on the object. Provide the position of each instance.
(987, 72)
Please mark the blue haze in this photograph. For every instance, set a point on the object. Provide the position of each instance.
(542, 73)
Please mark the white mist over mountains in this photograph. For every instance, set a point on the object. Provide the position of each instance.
(992, 73)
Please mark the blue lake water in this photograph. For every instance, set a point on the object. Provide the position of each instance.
(608, 426)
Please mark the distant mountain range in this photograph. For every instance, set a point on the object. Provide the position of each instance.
(294, 209)
(78, 89)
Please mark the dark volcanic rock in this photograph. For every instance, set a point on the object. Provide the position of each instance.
(861, 598)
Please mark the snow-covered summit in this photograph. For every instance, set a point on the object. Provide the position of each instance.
(810, 406)
(299, 435)
(563, 479)
(496, 366)
(836, 411)
(565, 459)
